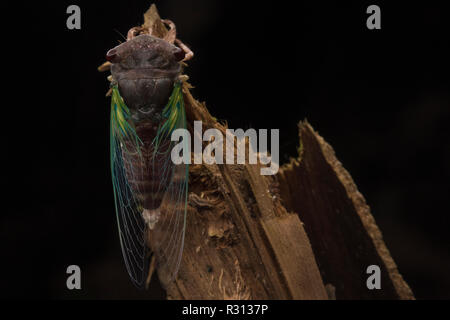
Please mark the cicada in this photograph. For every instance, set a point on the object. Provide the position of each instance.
(150, 191)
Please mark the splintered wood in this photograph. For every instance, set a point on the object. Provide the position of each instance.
(343, 233)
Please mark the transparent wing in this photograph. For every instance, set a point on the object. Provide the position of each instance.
(167, 236)
(132, 228)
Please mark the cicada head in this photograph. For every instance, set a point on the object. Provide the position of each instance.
(146, 52)
(145, 69)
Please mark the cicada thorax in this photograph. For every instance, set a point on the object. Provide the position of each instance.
(145, 69)
(146, 97)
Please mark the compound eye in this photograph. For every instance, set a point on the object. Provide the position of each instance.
(111, 56)
(179, 54)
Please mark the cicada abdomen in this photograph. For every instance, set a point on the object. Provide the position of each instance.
(150, 190)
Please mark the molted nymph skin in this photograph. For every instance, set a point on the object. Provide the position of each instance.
(145, 69)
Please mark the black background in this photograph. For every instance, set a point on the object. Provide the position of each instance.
(379, 97)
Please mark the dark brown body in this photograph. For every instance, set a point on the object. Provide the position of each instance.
(145, 69)
(145, 173)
